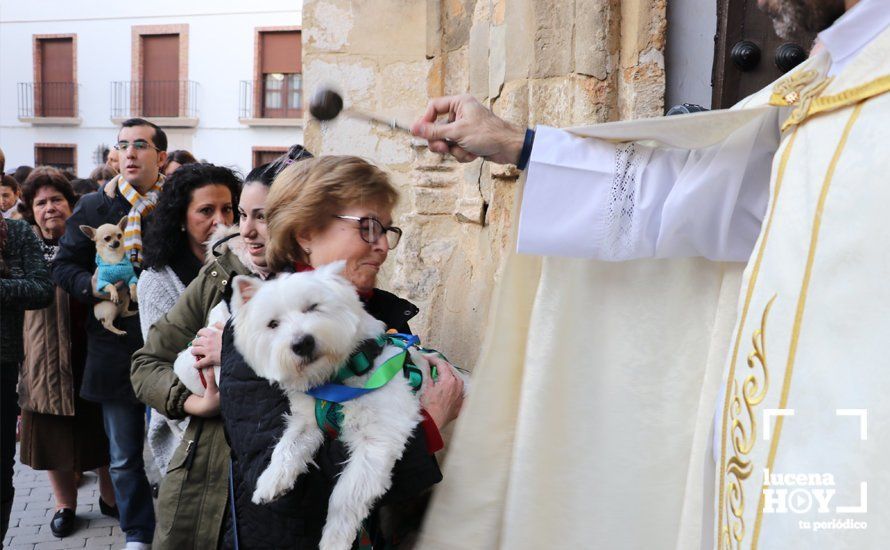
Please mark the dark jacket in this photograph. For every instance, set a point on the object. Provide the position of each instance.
(24, 284)
(253, 410)
(193, 495)
(107, 372)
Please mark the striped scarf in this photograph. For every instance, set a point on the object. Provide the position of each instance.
(141, 205)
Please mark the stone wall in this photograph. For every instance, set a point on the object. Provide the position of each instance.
(554, 62)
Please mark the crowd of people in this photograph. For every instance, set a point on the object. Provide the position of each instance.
(90, 399)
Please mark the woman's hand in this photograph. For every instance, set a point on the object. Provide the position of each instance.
(443, 398)
(207, 345)
(208, 405)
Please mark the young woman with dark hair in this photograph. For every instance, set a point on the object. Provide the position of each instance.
(194, 202)
(193, 495)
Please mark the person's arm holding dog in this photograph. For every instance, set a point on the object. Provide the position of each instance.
(152, 374)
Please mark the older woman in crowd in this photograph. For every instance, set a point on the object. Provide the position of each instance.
(194, 202)
(193, 494)
(61, 433)
(320, 211)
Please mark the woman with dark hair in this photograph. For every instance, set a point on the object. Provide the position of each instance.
(61, 432)
(194, 202)
(101, 174)
(177, 158)
(193, 496)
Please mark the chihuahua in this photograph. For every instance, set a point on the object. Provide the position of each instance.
(112, 266)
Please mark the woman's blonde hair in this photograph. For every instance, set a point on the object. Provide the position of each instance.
(306, 195)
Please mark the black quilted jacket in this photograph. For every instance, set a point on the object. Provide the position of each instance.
(252, 411)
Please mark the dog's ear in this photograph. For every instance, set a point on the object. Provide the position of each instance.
(122, 224)
(244, 288)
(89, 232)
(333, 268)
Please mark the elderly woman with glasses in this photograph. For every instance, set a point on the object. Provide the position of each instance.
(320, 211)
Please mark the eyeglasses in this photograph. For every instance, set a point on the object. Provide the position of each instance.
(139, 145)
(371, 230)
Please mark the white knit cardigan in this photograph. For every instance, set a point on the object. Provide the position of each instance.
(158, 291)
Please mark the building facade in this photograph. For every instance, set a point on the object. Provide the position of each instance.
(223, 78)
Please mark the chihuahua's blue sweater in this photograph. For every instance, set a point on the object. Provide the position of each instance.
(108, 274)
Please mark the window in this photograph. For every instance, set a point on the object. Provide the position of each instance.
(263, 155)
(60, 155)
(280, 79)
(54, 82)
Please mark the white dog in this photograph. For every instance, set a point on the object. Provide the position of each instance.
(184, 366)
(297, 330)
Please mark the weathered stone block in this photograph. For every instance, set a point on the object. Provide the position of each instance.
(326, 25)
(478, 57)
(433, 201)
(596, 39)
(554, 21)
(550, 101)
(470, 210)
(457, 79)
(498, 60)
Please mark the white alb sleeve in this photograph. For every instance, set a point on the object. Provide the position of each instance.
(590, 198)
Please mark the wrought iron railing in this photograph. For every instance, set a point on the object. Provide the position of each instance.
(158, 98)
(257, 100)
(47, 99)
(246, 100)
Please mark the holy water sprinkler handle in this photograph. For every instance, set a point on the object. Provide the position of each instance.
(326, 104)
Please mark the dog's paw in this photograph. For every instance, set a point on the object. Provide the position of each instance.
(133, 297)
(267, 488)
(113, 295)
(333, 540)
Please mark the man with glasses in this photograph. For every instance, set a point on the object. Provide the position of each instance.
(141, 148)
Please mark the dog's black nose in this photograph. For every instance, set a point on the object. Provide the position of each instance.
(305, 346)
(115, 244)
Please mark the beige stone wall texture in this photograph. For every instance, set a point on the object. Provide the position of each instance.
(553, 62)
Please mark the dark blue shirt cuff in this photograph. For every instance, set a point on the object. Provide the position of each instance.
(526, 153)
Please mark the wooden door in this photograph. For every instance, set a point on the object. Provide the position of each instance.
(55, 91)
(160, 86)
(748, 54)
(59, 156)
(265, 156)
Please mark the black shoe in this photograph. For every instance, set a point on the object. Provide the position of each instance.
(108, 510)
(62, 523)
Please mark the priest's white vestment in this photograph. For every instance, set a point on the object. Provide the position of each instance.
(593, 412)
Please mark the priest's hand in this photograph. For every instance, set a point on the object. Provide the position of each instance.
(471, 131)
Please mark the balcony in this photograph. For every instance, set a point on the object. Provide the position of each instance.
(167, 103)
(48, 103)
(251, 111)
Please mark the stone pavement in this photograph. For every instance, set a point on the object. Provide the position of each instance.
(34, 507)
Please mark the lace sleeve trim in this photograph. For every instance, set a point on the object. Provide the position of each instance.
(620, 230)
